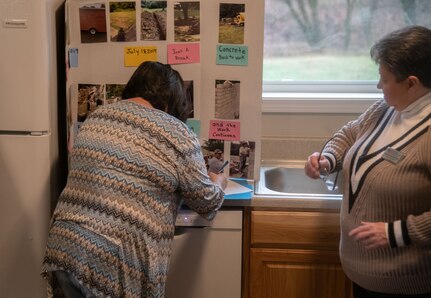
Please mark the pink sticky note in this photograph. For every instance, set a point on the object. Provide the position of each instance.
(183, 53)
(224, 130)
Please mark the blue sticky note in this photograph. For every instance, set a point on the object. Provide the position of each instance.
(73, 57)
(232, 55)
(194, 125)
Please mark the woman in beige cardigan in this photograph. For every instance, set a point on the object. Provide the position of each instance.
(385, 158)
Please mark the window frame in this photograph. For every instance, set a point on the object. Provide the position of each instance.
(339, 97)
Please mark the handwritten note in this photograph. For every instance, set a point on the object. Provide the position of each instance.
(232, 55)
(224, 130)
(134, 56)
(183, 53)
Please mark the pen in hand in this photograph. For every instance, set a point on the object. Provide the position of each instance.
(222, 167)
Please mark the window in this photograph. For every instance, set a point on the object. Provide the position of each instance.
(318, 50)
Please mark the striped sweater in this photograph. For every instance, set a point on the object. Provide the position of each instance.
(394, 188)
(113, 226)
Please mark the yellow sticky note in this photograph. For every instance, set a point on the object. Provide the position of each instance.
(134, 56)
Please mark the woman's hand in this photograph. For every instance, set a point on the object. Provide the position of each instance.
(218, 179)
(313, 166)
(371, 234)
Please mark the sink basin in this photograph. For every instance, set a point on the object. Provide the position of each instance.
(292, 180)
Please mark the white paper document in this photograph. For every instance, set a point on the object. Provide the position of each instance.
(235, 188)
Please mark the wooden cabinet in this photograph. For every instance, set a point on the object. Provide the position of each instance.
(294, 254)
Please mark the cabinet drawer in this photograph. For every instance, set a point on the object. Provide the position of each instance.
(295, 229)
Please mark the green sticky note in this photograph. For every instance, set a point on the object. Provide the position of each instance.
(194, 125)
(232, 55)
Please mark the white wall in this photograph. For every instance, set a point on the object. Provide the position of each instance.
(289, 136)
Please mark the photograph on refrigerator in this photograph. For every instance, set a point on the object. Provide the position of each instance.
(153, 20)
(227, 97)
(242, 159)
(92, 22)
(231, 23)
(213, 152)
(89, 98)
(114, 92)
(122, 17)
(187, 26)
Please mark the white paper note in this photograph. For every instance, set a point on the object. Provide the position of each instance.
(235, 188)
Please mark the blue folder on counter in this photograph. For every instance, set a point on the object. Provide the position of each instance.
(238, 189)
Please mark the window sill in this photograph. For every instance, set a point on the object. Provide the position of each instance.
(345, 103)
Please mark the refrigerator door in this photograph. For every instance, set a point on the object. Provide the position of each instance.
(24, 67)
(24, 214)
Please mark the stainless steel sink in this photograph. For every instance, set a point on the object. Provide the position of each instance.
(283, 180)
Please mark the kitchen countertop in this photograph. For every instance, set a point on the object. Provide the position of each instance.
(287, 201)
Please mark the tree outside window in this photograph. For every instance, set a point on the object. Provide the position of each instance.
(329, 40)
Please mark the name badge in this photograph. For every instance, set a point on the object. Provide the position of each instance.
(392, 155)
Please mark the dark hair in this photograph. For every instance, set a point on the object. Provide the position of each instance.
(162, 86)
(406, 52)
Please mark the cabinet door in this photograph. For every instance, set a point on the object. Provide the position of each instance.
(290, 273)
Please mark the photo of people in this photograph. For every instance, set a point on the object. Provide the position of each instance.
(153, 20)
(123, 21)
(187, 21)
(92, 23)
(227, 96)
(231, 23)
(212, 150)
(242, 158)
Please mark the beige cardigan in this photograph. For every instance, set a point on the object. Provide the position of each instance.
(396, 193)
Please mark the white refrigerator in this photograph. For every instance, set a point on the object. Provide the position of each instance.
(25, 137)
